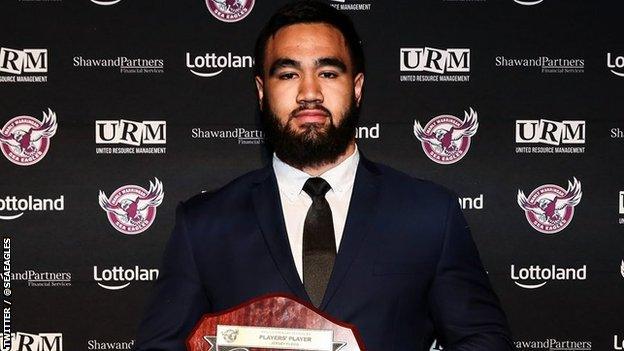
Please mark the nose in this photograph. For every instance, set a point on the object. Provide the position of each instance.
(309, 90)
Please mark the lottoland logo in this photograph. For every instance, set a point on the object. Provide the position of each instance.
(616, 63)
(528, 2)
(210, 64)
(534, 276)
(618, 343)
(16, 207)
(105, 3)
(117, 278)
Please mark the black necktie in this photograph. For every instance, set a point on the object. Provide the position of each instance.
(319, 243)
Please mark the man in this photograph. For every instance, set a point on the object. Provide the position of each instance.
(366, 244)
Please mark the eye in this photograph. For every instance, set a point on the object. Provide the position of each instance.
(328, 75)
(286, 76)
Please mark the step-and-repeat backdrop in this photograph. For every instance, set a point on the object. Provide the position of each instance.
(113, 111)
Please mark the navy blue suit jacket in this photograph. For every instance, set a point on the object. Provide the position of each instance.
(407, 269)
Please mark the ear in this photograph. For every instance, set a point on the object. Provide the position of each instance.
(260, 89)
(358, 84)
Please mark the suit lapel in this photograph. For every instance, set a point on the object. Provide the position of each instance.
(267, 204)
(362, 210)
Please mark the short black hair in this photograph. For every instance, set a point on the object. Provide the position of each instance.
(309, 12)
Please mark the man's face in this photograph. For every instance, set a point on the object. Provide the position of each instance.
(309, 93)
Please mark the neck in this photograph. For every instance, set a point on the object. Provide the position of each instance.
(315, 171)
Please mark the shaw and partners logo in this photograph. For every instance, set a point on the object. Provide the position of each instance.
(118, 278)
(445, 139)
(131, 209)
(549, 208)
(230, 10)
(140, 136)
(535, 276)
(124, 64)
(437, 65)
(616, 64)
(34, 342)
(544, 63)
(242, 135)
(43, 279)
(12, 207)
(27, 65)
(552, 344)
(551, 133)
(210, 64)
(26, 140)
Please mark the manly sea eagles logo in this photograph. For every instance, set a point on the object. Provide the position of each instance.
(230, 10)
(26, 140)
(549, 208)
(446, 139)
(131, 209)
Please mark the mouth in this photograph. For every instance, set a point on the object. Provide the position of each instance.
(311, 116)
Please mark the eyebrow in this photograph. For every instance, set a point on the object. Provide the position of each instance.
(321, 62)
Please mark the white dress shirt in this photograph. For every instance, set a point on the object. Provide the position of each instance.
(296, 202)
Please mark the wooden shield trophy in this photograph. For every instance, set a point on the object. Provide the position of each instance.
(272, 323)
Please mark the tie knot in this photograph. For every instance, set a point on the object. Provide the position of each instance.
(316, 187)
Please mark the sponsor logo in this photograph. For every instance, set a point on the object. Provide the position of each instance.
(622, 269)
(534, 276)
(617, 133)
(211, 65)
(230, 10)
(34, 342)
(438, 65)
(118, 278)
(349, 5)
(528, 2)
(618, 344)
(445, 139)
(621, 221)
(27, 65)
(124, 64)
(550, 208)
(551, 133)
(436, 345)
(242, 135)
(471, 203)
(43, 279)
(131, 209)
(367, 132)
(553, 344)
(18, 206)
(616, 64)
(139, 135)
(105, 2)
(94, 344)
(544, 63)
(26, 140)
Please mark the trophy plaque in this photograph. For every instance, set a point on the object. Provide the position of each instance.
(272, 323)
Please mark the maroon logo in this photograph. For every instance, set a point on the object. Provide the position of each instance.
(550, 208)
(230, 10)
(131, 209)
(446, 139)
(26, 140)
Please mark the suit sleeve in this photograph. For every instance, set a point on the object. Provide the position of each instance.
(179, 299)
(466, 311)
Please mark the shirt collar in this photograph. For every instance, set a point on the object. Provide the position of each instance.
(341, 177)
